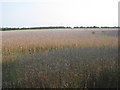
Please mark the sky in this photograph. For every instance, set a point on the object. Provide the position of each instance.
(40, 13)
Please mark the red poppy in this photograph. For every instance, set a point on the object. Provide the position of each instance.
(71, 72)
(44, 77)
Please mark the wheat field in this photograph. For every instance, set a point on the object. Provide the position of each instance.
(67, 58)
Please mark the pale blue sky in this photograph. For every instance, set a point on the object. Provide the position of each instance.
(24, 13)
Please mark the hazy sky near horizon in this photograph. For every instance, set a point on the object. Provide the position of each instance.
(32, 13)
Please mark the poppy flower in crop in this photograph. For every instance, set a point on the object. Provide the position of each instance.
(71, 72)
(40, 79)
(44, 77)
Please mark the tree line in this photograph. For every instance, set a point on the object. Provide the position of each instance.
(59, 27)
(25, 28)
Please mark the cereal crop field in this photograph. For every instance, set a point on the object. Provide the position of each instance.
(60, 58)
